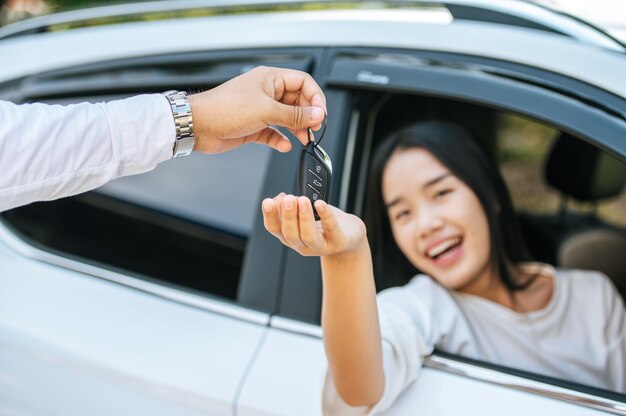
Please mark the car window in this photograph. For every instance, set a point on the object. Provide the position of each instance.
(185, 224)
(522, 148)
(216, 191)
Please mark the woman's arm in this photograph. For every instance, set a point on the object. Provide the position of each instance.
(351, 329)
(349, 315)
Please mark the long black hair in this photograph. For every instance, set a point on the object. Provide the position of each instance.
(470, 162)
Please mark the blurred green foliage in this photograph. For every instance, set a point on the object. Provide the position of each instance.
(62, 5)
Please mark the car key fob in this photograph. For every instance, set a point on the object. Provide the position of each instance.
(314, 174)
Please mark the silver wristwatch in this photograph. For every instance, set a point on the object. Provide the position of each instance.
(183, 121)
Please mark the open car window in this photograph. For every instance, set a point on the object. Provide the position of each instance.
(550, 224)
(569, 197)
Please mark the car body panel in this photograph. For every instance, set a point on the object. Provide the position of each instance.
(86, 344)
(293, 363)
(286, 377)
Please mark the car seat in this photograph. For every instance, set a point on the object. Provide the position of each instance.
(581, 171)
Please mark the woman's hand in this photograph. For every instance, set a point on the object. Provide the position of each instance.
(291, 220)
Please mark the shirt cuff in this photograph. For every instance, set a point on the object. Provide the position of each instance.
(143, 128)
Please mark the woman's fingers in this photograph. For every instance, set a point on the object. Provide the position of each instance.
(271, 218)
(329, 222)
(309, 231)
(289, 222)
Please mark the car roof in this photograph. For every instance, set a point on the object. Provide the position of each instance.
(510, 12)
(576, 54)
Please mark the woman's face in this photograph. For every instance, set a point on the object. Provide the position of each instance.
(437, 221)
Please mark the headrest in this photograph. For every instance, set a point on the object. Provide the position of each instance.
(582, 171)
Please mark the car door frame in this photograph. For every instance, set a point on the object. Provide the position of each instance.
(258, 288)
(582, 109)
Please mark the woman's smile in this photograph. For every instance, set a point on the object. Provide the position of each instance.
(437, 221)
(446, 252)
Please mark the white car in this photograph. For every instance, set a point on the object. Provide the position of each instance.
(162, 293)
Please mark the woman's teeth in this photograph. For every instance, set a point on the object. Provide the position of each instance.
(443, 247)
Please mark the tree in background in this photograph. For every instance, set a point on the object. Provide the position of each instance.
(14, 10)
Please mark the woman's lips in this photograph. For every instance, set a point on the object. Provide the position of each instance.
(449, 257)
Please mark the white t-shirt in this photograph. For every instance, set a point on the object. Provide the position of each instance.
(579, 336)
(53, 151)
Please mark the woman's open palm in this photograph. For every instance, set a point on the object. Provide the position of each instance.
(291, 220)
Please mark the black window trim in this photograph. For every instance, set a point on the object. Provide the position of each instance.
(491, 83)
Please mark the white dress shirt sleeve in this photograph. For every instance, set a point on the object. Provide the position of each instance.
(53, 151)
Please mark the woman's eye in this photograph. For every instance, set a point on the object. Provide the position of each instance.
(442, 193)
(400, 215)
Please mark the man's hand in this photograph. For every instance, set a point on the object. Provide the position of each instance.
(241, 110)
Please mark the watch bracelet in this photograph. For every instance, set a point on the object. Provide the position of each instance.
(183, 122)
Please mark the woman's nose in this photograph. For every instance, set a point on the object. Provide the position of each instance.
(428, 221)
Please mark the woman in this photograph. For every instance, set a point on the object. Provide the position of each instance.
(439, 209)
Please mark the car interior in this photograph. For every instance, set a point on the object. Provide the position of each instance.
(580, 171)
(565, 168)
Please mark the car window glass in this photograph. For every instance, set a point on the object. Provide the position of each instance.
(185, 224)
(214, 190)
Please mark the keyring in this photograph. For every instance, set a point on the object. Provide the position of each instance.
(310, 134)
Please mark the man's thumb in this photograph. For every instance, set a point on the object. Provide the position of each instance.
(296, 117)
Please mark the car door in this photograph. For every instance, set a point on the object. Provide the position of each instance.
(141, 297)
(288, 373)
(77, 339)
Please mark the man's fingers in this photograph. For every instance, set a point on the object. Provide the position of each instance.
(304, 83)
(295, 117)
(294, 98)
(271, 137)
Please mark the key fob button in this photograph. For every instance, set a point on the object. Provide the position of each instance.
(314, 174)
